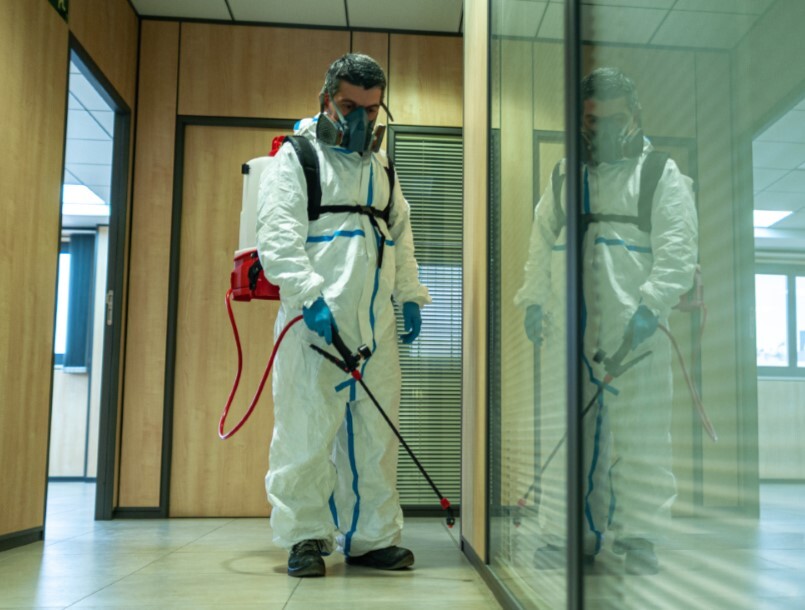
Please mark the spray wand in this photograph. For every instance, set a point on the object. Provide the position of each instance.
(349, 364)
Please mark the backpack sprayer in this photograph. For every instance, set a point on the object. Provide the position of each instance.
(248, 282)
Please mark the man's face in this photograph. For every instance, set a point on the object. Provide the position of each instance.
(614, 113)
(351, 96)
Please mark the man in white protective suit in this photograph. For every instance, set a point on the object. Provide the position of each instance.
(333, 459)
(636, 263)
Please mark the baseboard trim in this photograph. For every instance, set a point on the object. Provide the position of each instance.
(137, 512)
(16, 539)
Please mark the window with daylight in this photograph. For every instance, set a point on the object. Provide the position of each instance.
(780, 321)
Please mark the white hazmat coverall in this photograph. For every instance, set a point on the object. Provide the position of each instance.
(629, 486)
(333, 459)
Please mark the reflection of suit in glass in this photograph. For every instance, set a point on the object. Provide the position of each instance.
(629, 486)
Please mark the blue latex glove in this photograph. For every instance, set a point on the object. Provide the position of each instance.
(642, 325)
(533, 323)
(412, 322)
(319, 319)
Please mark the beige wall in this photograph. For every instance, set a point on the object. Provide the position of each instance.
(781, 420)
(473, 463)
(222, 71)
(33, 77)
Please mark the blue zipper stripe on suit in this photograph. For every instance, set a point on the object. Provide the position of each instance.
(333, 510)
(351, 452)
(620, 242)
(596, 448)
(321, 238)
(351, 438)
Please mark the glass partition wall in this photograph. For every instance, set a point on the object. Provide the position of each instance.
(685, 191)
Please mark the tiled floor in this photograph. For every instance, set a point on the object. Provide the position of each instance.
(719, 562)
(217, 564)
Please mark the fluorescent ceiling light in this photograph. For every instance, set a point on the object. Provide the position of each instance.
(85, 209)
(78, 193)
(766, 218)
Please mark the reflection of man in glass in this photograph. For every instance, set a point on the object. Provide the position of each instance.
(637, 261)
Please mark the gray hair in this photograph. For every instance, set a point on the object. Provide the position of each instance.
(608, 84)
(355, 68)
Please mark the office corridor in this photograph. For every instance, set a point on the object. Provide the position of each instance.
(216, 563)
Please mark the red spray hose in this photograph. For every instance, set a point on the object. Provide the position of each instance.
(222, 421)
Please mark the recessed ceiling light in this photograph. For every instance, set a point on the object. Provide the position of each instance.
(78, 193)
(766, 218)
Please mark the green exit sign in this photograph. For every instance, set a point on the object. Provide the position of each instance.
(61, 7)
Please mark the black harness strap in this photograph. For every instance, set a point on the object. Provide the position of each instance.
(309, 161)
(310, 166)
(650, 175)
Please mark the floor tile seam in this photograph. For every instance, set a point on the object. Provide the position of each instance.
(95, 592)
(288, 601)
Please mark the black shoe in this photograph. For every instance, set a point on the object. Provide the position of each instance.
(305, 559)
(390, 558)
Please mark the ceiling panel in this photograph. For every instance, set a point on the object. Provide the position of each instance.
(657, 4)
(81, 125)
(421, 15)
(778, 155)
(306, 12)
(87, 96)
(69, 178)
(553, 22)
(779, 201)
(106, 119)
(519, 18)
(703, 30)
(752, 7)
(89, 151)
(621, 24)
(795, 221)
(91, 175)
(763, 178)
(792, 182)
(790, 128)
(188, 9)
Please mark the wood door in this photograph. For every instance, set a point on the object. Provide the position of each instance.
(211, 477)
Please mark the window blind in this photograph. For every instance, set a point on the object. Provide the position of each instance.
(430, 171)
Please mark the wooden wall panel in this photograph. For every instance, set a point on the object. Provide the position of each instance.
(474, 431)
(144, 383)
(33, 78)
(254, 71)
(108, 31)
(375, 45)
(210, 477)
(426, 80)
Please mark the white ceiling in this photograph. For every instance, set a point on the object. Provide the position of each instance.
(778, 153)
(410, 15)
(88, 156)
(778, 159)
(705, 24)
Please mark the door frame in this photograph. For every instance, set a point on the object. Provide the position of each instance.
(115, 280)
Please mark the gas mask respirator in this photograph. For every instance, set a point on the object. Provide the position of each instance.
(355, 132)
(611, 142)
